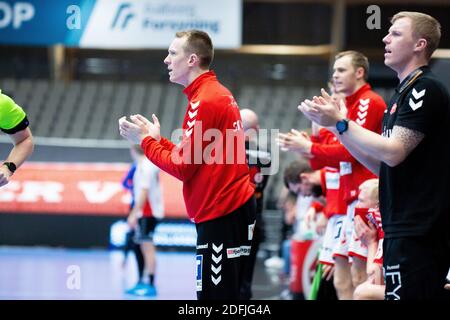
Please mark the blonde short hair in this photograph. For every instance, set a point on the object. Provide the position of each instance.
(371, 186)
(358, 61)
(424, 26)
(199, 43)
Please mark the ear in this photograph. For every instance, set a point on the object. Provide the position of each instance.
(421, 45)
(359, 73)
(193, 59)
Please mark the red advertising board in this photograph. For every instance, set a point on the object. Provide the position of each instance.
(80, 188)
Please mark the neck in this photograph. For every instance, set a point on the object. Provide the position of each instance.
(195, 74)
(414, 64)
(358, 86)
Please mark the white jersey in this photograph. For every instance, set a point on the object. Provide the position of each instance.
(146, 176)
(300, 230)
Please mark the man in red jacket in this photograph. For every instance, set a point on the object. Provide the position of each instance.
(366, 108)
(211, 162)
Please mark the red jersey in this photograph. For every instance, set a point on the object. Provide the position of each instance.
(366, 108)
(330, 186)
(211, 158)
(330, 180)
(324, 136)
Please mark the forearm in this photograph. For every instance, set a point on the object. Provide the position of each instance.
(174, 162)
(361, 156)
(370, 148)
(167, 144)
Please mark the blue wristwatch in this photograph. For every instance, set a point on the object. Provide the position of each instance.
(342, 126)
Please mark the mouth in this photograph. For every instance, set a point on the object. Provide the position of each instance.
(387, 51)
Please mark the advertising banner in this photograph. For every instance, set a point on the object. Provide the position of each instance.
(118, 24)
(80, 188)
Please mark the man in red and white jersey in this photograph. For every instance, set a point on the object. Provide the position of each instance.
(365, 107)
(211, 163)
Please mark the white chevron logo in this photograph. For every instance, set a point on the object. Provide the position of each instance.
(363, 108)
(192, 114)
(194, 105)
(216, 270)
(415, 106)
(189, 132)
(418, 95)
(364, 102)
(217, 249)
(216, 259)
(360, 121)
(190, 123)
(216, 280)
(362, 114)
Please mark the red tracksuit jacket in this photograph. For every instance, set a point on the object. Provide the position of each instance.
(366, 108)
(214, 170)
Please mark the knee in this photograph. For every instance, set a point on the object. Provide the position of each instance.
(359, 274)
(358, 277)
(341, 282)
(359, 293)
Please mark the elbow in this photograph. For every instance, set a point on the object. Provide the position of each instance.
(394, 159)
(29, 145)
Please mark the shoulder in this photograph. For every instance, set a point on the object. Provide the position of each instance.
(430, 84)
(217, 97)
(6, 103)
(428, 91)
(374, 98)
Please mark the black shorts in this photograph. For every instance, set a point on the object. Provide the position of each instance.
(223, 249)
(144, 229)
(415, 269)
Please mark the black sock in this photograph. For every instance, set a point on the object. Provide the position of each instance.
(152, 278)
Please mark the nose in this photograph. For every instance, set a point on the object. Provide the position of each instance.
(335, 74)
(166, 60)
(386, 39)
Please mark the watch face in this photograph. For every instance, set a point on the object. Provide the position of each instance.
(341, 126)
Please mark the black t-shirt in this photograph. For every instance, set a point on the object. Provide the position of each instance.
(414, 195)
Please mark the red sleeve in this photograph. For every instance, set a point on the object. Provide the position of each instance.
(164, 159)
(180, 160)
(167, 144)
(329, 155)
(323, 136)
